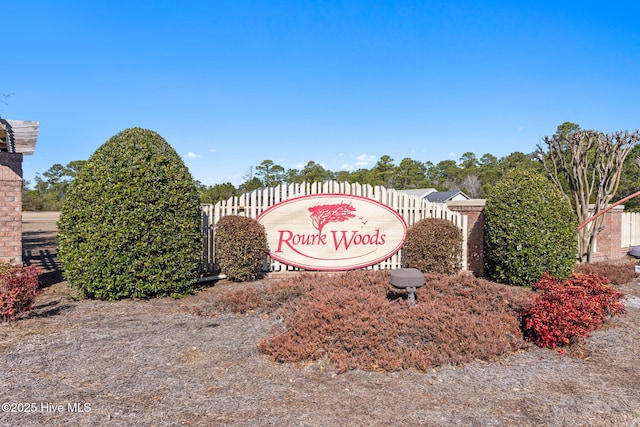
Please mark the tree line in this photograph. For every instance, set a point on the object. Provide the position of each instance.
(470, 174)
(473, 175)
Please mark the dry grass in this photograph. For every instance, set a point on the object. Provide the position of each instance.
(157, 363)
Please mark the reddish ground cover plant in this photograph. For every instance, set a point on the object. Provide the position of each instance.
(357, 321)
(569, 310)
(19, 286)
(265, 299)
(618, 273)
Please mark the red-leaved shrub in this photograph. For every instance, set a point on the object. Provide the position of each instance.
(356, 321)
(18, 288)
(263, 299)
(568, 310)
(618, 272)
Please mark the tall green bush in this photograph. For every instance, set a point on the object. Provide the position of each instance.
(434, 245)
(530, 229)
(130, 225)
(241, 247)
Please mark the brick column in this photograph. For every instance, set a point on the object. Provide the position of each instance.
(474, 211)
(609, 240)
(11, 207)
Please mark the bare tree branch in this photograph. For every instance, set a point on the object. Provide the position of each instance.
(586, 166)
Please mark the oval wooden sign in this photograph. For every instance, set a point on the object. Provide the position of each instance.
(330, 232)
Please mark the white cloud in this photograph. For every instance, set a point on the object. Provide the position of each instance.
(361, 161)
(452, 154)
(364, 159)
(193, 155)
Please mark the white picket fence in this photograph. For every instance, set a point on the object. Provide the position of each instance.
(411, 208)
(630, 229)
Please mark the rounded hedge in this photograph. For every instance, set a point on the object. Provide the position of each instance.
(434, 245)
(241, 247)
(530, 229)
(130, 225)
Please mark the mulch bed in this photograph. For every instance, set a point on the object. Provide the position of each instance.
(158, 363)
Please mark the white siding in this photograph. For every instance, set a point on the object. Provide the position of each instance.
(630, 229)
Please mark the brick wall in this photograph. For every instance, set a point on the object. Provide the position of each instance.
(609, 241)
(11, 207)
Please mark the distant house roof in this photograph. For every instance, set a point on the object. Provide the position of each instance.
(446, 196)
(434, 196)
(420, 192)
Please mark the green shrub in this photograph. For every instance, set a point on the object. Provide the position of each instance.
(434, 245)
(241, 247)
(130, 225)
(530, 229)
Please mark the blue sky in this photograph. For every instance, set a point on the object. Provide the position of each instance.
(231, 83)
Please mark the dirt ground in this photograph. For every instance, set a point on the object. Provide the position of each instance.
(76, 362)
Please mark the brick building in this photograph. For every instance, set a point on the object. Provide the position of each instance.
(17, 138)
